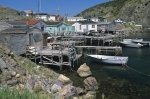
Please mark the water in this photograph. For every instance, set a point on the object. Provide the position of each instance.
(137, 75)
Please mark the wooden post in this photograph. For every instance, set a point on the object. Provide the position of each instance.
(41, 59)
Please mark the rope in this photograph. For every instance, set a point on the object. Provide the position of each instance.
(137, 71)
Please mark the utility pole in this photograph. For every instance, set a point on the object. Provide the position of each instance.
(58, 10)
(39, 6)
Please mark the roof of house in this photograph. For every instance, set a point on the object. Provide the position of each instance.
(41, 14)
(74, 17)
(14, 31)
(55, 23)
(104, 23)
(31, 22)
(87, 22)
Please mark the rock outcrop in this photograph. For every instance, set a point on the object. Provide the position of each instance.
(84, 71)
(91, 84)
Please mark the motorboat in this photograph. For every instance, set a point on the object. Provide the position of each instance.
(120, 60)
(135, 43)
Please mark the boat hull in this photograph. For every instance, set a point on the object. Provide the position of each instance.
(116, 60)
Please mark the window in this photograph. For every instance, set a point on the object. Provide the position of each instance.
(93, 26)
(80, 27)
(42, 28)
(63, 28)
(73, 27)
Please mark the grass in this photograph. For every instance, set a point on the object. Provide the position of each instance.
(32, 68)
(6, 93)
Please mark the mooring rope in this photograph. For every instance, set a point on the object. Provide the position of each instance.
(127, 67)
(137, 71)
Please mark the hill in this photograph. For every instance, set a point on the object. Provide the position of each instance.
(9, 13)
(128, 10)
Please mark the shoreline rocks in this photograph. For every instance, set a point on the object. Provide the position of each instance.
(84, 71)
(91, 84)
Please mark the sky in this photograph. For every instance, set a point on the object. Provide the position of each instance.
(63, 7)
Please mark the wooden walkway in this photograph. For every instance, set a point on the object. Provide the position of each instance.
(100, 49)
(56, 55)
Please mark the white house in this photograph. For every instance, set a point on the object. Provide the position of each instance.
(95, 19)
(75, 19)
(52, 18)
(85, 26)
(42, 16)
(118, 21)
(28, 13)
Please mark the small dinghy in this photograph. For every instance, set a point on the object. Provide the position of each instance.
(120, 60)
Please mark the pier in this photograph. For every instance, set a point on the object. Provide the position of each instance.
(116, 50)
(56, 55)
(67, 50)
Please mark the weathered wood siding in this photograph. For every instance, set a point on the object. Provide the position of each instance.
(4, 25)
(15, 42)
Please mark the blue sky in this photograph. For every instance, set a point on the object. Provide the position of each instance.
(69, 7)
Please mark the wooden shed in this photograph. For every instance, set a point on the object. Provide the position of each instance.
(17, 39)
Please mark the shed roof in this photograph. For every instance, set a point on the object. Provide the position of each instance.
(14, 31)
(18, 23)
(41, 14)
(55, 23)
(87, 22)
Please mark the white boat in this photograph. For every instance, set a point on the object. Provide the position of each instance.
(136, 40)
(120, 60)
(133, 40)
(135, 43)
(130, 44)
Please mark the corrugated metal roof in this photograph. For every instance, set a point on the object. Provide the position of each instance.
(87, 22)
(15, 31)
(17, 23)
(52, 23)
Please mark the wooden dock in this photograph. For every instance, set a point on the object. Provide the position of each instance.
(64, 51)
(56, 55)
(101, 49)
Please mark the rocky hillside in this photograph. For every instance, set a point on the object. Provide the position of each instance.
(8, 13)
(128, 10)
(22, 79)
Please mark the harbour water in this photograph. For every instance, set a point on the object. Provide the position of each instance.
(137, 74)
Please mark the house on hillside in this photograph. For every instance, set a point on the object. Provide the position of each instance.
(118, 21)
(52, 18)
(17, 39)
(28, 13)
(59, 28)
(42, 16)
(85, 26)
(105, 26)
(94, 19)
(75, 19)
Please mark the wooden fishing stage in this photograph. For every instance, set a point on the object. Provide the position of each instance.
(67, 51)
